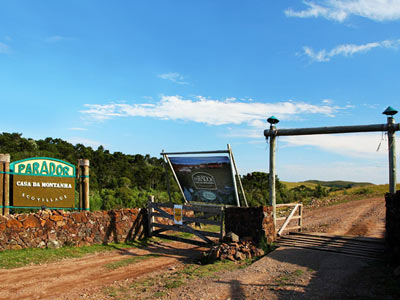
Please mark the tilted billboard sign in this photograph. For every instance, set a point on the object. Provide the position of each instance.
(205, 179)
(43, 181)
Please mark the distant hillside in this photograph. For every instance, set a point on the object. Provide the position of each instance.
(331, 184)
(339, 183)
(291, 185)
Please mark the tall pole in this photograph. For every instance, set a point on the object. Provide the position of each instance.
(392, 155)
(84, 166)
(272, 173)
(6, 195)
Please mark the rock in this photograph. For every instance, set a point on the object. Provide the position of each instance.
(49, 224)
(79, 217)
(240, 256)
(52, 235)
(16, 247)
(42, 244)
(56, 218)
(32, 222)
(258, 252)
(14, 224)
(230, 257)
(232, 237)
(53, 244)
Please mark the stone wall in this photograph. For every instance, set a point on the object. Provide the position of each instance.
(251, 223)
(54, 229)
(393, 226)
(57, 228)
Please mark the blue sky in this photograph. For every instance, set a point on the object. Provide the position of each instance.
(142, 76)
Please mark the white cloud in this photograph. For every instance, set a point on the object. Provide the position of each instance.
(78, 129)
(208, 111)
(348, 50)
(55, 39)
(4, 49)
(174, 77)
(360, 172)
(85, 141)
(340, 10)
(353, 145)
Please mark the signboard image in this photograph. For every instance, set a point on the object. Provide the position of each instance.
(205, 179)
(178, 214)
(45, 182)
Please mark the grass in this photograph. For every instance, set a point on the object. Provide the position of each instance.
(158, 294)
(156, 286)
(291, 185)
(128, 261)
(188, 235)
(380, 190)
(289, 277)
(18, 258)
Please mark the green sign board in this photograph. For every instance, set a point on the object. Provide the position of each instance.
(42, 181)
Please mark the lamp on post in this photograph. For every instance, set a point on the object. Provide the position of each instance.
(273, 120)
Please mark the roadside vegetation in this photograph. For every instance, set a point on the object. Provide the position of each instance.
(120, 180)
(10, 259)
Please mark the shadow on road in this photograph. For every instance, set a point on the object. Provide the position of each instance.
(294, 273)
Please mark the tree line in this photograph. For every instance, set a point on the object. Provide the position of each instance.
(120, 180)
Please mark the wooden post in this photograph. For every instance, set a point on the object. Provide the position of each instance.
(151, 217)
(221, 218)
(330, 130)
(84, 174)
(392, 155)
(272, 173)
(5, 161)
(391, 127)
(300, 224)
(233, 176)
(2, 184)
(80, 181)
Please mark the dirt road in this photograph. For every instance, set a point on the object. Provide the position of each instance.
(71, 278)
(284, 274)
(356, 218)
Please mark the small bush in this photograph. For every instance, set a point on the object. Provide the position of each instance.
(264, 245)
(363, 191)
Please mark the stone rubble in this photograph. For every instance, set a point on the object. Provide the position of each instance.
(234, 251)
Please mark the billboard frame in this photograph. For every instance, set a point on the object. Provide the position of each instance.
(234, 171)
